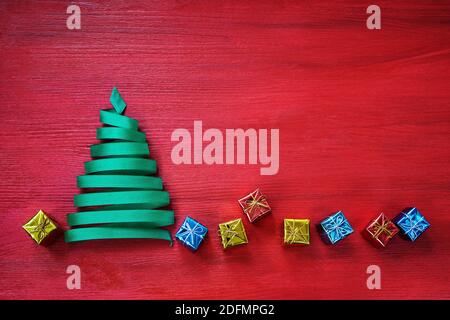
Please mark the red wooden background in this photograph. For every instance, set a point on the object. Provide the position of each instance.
(364, 126)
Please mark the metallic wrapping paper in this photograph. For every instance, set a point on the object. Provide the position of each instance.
(412, 223)
(232, 233)
(380, 231)
(296, 231)
(255, 205)
(335, 228)
(40, 227)
(191, 233)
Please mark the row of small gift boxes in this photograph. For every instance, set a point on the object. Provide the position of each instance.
(410, 223)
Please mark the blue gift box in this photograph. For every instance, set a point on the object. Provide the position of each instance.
(411, 223)
(335, 228)
(191, 233)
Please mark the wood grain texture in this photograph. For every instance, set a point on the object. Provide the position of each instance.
(364, 127)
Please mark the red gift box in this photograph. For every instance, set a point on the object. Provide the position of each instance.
(380, 231)
(255, 205)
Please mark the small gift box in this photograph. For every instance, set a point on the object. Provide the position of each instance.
(412, 223)
(255, 205)
(296, 231)
(232, 233)
(380, 231)
(40, 227)
(191, 233)
(335, 228)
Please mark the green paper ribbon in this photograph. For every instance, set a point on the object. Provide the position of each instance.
(108, 133)
(110, 117)
(116, 149)
(130, 165)
(155, 218)
(117, 101)
(119, 181)
(155, 199)
(116, 232)
(125, 206)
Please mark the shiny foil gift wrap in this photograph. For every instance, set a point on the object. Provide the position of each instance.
(335, 228)
(232, 233)
(191, 233)
(411, 223)
(255, 205)
(380, 231)
(41, 227)
(296, 231)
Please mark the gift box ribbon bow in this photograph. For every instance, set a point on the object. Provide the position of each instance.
(191, 232)
(256, 200)
(294, 233)
(230, 233)
(383, 227)
(414, 225)
(41, 228)
(338, 225)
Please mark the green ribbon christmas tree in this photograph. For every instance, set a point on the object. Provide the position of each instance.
(121, 196)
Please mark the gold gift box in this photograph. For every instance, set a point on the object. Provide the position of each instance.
(296, 231)
(40, 227)
(232, 233)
